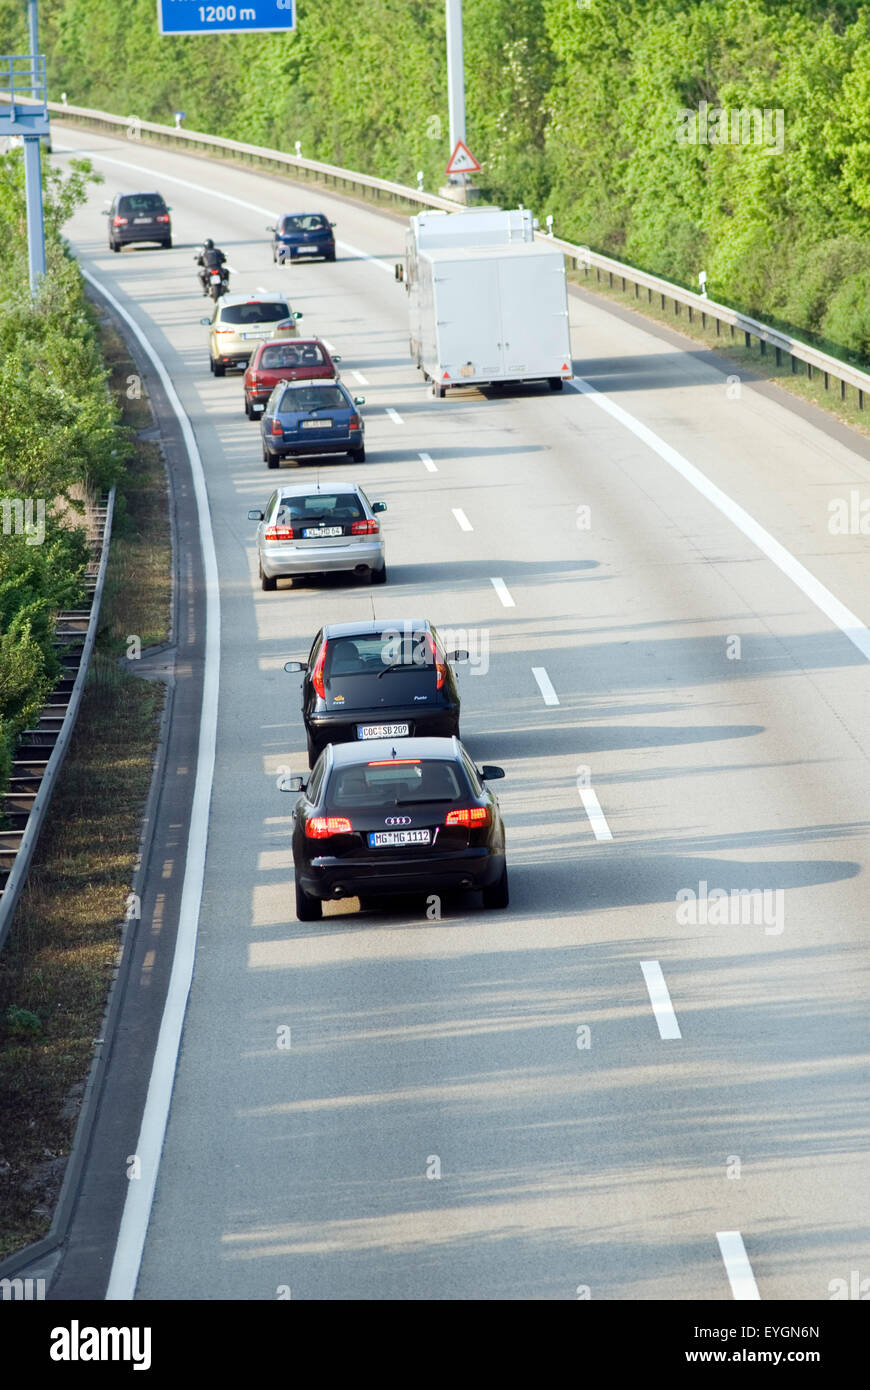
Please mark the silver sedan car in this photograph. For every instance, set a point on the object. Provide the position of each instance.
(314, 530)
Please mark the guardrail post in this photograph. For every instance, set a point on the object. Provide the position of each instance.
(793, 364)
(690, 313)
(731, 326)
(748, 340)
(809, 371)
(778, 356)
(860, 399)
(718, 328)
(827, 382)
(842, 389)
(763, 345)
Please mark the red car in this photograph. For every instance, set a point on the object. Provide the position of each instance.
(284, 359)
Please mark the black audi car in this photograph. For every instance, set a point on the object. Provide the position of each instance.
(396, 816)
(373, 680)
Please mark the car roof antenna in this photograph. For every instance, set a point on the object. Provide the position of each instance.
(372, 602)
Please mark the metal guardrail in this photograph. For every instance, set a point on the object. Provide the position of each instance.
(813, 359)
(52, 736)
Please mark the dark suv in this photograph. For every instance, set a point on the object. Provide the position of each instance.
(138, 217)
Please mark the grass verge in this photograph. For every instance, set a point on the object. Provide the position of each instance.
(57, 967)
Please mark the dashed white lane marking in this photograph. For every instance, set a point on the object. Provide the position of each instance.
(660, 999)
(597, 819)
(462, 519)
(363, 380)
(428, 464)
(545, 685)
(503, 592)
(737, 1266)
(394, 416)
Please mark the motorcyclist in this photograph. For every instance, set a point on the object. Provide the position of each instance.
(209, 257)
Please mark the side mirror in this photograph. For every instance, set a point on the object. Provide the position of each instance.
(255, 516)
(205, 321)
(490, 773)
(106, 212)
(292, 784)
(332, 224)
(270, 229)
(379, 506)
(335, 357)
(293, 666)
(297, 315)
(459, 655)
(359, 400)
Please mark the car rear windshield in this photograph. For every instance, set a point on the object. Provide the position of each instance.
(306, 222)
(293, 356)
(371, 655)
(298, 399)
(140, 203)
(392, 783)
(336, 509)
(256, 312)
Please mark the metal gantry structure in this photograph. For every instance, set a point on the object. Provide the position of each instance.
(22, 79)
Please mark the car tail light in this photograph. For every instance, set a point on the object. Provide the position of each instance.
(469, 815)
(354, 422)
(320, 827)
(277, 427)
(364, 528)
(279, 533)
(253, 378)
(317, 673)
(164, 217)
(439, 666)
(119, 221)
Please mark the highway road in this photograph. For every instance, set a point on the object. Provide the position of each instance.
(577, 1097)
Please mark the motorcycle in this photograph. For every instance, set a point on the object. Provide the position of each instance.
(218, 281)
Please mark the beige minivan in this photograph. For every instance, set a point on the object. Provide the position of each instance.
(240, 322)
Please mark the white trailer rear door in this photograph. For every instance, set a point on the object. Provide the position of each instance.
(534, 315)
(468, 319)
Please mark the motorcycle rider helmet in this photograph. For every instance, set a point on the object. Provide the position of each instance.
(208, 244)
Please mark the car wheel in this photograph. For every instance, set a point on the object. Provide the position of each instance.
(218, 368)
(271, 459)
(313, 751)
(249, 409)
(358, 455)
(267, 582)
(556, 383)
(379, 576)
(308, 909)
(331, 256)
(114, 246)
(438, 392)
(497, 895)
(167, 242)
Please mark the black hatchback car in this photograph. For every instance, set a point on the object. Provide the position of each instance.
(138, 217)
(302, 236)
(396, 817)
(369, 680)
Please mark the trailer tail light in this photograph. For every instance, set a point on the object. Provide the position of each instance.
(321, 827)
(364, 528)
(469, 816)
(279, 533)
(317, 673)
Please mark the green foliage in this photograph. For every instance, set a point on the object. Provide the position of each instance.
(59, 438)
(22, 1023)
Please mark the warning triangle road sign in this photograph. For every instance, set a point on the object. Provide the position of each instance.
(462, 161)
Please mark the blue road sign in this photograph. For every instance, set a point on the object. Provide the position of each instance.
(256, 16)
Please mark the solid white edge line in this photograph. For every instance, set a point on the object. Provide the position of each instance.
(849, 624)
(545, 685)
(503, 592)
(597, 819)
(140, 1192)
(215, 193)
(394, 415)
(363, 380)
(427, 463)
(462, 519)
(737, 1266)
(659, 997)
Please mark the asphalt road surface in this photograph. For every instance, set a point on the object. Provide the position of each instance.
(488, 1105)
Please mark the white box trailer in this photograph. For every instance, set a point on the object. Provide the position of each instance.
(493, 314)
(431, 230)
